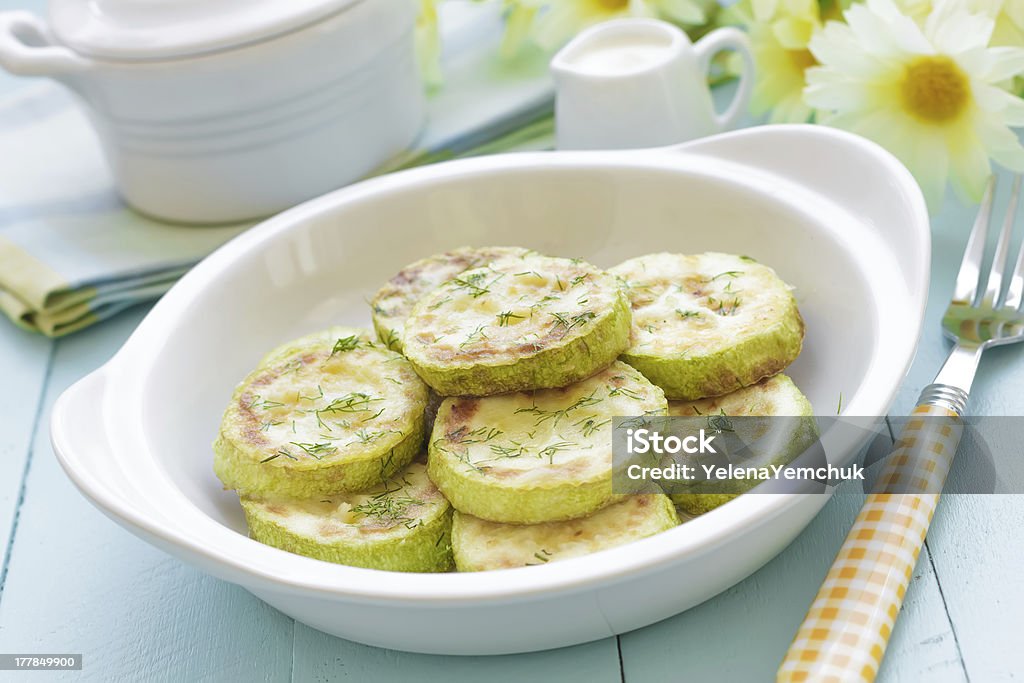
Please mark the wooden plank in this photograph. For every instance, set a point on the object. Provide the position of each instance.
(977, 552)
(320, 657)
(79, 583)
(24, 359)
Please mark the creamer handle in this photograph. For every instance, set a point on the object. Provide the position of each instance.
(736, 40)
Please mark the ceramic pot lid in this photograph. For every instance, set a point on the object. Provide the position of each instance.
(162, 29)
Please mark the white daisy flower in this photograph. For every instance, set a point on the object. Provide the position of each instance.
(1008, 15)
(929, 92)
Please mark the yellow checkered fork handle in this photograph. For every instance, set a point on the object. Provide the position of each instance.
(847, 628)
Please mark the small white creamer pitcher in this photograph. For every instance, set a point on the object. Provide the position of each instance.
(631, 83)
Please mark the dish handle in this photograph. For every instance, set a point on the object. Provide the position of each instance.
(79, 438)
(27, 49)
(850, 170)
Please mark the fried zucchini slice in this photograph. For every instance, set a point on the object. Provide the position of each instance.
(532, 322)
(775, 396)
(524, 458)
(395, 300)
(480, 545)
(330, 412)
(708, 324)
(401, 525)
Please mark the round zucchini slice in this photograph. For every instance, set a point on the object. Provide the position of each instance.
(708, 324)
(401, 525)
(532, 322)
(326, 413)
(523, 458)
(775, 396)
(480, 545)
(395, 300)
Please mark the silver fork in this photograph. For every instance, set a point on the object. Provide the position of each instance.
(847, 628)
(975, 322)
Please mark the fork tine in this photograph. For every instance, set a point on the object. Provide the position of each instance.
(1015, 292)
(966, 288)
(1001, 257)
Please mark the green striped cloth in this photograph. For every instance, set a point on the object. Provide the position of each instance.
(71, 253)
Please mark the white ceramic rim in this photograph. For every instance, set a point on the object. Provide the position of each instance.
(233, 556)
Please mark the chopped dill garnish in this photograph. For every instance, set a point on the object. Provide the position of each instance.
(550, 450)
(374, 416)
(388, 508)
(474, 283)
(354, 402)
(589, 425)
(542, 555)
(292, 366)
(365, 436)
(265, 427)
(391, 340)
(720, 423)
(316, 450)
(463, 457)
(258, 402)
(578, 280)
(280, 453)
(438, 304)
(514, 451)
(623, 391)
(556, 415)
(300, 397)
(634, 423)
(476, 335)
(727, 273)
(687, 314)
(505, 316)
(572, 322)
(345, 344)
(480, 435)
(724, 307)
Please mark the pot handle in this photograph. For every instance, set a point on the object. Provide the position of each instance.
(27, 49)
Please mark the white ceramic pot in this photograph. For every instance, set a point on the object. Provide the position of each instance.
(221, 110)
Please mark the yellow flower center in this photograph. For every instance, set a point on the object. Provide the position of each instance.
(802, 59)
(934, 89)
(612, 5)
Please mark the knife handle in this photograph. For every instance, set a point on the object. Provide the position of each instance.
(844, 635)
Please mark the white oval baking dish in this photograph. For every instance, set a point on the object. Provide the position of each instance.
(837, 216)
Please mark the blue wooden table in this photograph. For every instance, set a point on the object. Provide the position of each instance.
(73, 581)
